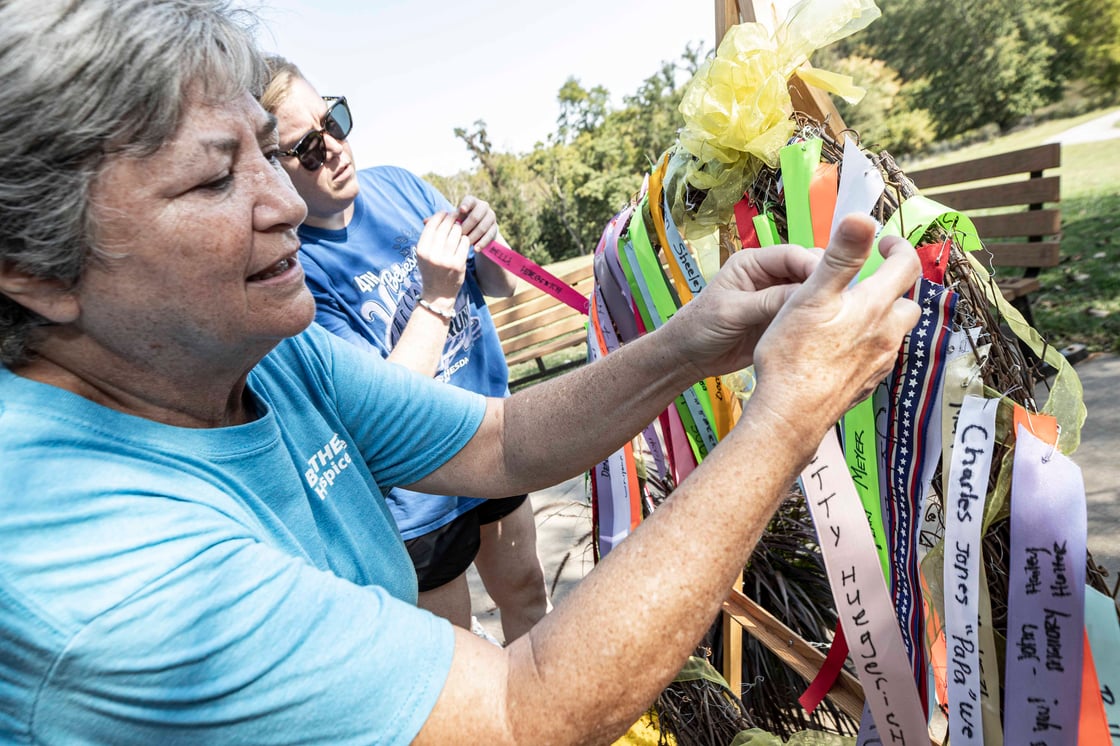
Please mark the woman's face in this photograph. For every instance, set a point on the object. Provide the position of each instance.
(203, 239)
(331, 188)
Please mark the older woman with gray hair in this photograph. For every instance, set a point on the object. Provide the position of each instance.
(196, 546)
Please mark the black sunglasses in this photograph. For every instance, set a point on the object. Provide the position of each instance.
(311, 149)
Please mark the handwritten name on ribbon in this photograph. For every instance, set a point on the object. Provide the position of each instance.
(971, 464)
(537, 275)
(862, 602)
(1046, 605)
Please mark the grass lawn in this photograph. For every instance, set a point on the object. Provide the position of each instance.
(1080, 298)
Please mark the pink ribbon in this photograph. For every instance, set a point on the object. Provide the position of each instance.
(537, 275)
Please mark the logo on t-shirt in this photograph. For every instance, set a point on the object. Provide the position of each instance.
(395, 278)
(324, 467)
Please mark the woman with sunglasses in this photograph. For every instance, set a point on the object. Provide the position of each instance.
(195, 543)
(392, 267)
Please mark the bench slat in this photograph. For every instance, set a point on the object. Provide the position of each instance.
(1024, 224)
(1018, 287)
(1009, 193)
(537, 352)
(1041, 254)
(539, 321)
(571, 327)
(1038, 158)
(534, 304)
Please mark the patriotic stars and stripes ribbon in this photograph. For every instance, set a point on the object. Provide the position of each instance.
(914, 386)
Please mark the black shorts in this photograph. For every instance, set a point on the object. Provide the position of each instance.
(442, 555)
(493, 511)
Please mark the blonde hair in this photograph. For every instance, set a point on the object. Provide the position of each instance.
(281, 74)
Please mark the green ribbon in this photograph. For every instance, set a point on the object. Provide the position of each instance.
(657, 303)
(916, 216)
(766, 230)
(799, 162)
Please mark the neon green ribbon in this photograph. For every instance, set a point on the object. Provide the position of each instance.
(766, 229)
(860, 454)
(799, 162)
(913, 218)
(656, 304)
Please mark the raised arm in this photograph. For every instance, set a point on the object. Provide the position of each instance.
(481, 226)
(591, 667)
(441, 255)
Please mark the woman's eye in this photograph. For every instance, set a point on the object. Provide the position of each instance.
(217, 185)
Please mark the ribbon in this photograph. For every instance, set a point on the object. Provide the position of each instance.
(861, 184)
(799, 162)
(973, 446)
(1093, 725)
(656, 304)
(859, 453)
(536, 275)
(1046, 604)
(962, 379)
(862, 601)
(688, 281)
(822, 201)
(829, 671)
(616, 508)
(737, 106)
(615, 487)
(914, 218)
(1103, 632)
(612, 494)
(745, 213)
(915, 384)
(766, 230)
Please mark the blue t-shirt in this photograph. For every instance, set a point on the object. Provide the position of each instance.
(366, 284)
(165, 585)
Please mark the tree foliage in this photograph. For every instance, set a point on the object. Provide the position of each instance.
(1088, 49)
(933, 69)
(981, 61)
(886, 118)
(552, 202)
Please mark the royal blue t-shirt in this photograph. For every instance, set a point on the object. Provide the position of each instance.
(366, 284)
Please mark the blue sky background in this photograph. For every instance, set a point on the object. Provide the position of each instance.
(414, 71)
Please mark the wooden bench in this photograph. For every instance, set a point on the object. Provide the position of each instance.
(1013, 202)
(533, 325)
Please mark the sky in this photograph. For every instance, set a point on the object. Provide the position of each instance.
(415, 71)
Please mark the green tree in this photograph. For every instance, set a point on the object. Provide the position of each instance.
(1088, 50)
(505, 181)
(981, 60)
(885, 119)
(650, 117)
(581, 110)
(553, 202)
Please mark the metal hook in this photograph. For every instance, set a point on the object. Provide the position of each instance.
(1007, 393)
(972, 376)
(1053, 446)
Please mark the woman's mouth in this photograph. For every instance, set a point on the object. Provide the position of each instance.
(274, 270)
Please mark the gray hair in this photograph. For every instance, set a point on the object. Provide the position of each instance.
(82, 80)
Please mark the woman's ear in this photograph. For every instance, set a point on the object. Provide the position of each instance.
(52, 299)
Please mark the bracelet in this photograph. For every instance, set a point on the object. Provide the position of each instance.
(445, 315)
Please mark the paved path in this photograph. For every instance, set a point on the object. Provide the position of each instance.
(564, 512)
(1099, 459)
(1103, 127)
